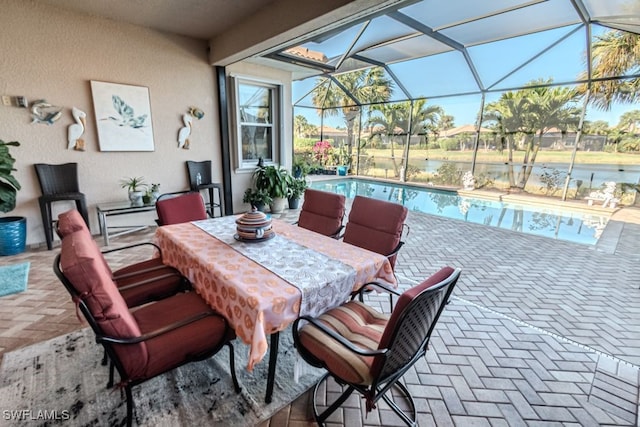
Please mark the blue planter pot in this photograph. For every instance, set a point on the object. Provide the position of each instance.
(13, 235)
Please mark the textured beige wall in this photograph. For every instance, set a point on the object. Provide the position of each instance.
(52, 54)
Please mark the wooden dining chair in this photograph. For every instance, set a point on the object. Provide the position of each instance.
(322, 212)
(368, 351)
(179, 207)
(150, 340)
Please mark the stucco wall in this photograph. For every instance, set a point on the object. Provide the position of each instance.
(53, 55)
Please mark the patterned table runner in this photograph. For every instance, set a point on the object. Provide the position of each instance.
(323, 281)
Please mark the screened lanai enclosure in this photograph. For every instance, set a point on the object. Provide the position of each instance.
(537, 96)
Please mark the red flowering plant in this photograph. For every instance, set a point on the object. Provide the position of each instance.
(322, 152)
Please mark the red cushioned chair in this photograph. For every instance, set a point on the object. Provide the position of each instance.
(376, 225)
(145, 342)
(369, 352)
(179, 207)
(322, 212)
(139, 283)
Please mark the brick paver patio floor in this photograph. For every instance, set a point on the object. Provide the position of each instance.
(539, 331)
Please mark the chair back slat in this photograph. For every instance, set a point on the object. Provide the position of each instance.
(413, 319)
(194, 168)
(57, 179)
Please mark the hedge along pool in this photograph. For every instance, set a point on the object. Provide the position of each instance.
(557, 223)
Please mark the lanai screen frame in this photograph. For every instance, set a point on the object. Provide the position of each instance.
(583, 22)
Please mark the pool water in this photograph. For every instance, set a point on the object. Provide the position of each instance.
(556, 223)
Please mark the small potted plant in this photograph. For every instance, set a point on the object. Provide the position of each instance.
(136, 187)
(151, 195)
(13, 229)
(274, 180)
(296, 190)
(257, 198)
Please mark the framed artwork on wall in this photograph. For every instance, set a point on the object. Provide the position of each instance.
(123, 117)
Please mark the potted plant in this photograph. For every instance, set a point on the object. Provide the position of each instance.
(136, 187)
(274, 180)
(13, 229)
(151, 195)
(257, 198)
(296, 189)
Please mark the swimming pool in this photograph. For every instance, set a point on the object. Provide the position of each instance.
(561, 224)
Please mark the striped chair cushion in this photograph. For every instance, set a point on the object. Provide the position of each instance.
(359, 324)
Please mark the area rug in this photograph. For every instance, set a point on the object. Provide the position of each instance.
(13, 278)
(62, 380)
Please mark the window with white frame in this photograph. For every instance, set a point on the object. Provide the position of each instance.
(258, 106)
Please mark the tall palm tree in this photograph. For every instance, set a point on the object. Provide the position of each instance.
(364, 87)
(531, 112)
(394, 121)
(615, 53)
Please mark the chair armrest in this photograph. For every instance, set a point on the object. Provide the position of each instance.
(161, 331)
(338, 234)
(395, 250)
(337, 337)
(135, 245)
(367, 288)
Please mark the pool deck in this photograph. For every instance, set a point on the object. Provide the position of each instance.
(539, 332)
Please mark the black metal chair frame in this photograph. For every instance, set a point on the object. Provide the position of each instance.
(412, 327)
(108, 342)
(58, 183)
(204, 169)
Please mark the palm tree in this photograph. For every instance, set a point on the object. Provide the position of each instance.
(363, 86)
(532, 112)
(394, 116)
(302, 128)
(615, 53)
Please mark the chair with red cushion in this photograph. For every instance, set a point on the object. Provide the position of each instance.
(376, 225)
(176, 208)
(139, 283)
(368, 351)
(322, 212)
(145, 342)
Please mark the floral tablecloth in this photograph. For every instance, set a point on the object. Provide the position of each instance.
(256, 286)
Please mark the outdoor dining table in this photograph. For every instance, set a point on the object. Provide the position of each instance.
(263, 287)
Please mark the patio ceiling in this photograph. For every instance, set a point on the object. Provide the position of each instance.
(485, 46)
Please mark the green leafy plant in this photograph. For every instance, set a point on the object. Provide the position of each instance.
(274, 180)
(9, 185)
(133, 184)
(256, 197)
(296, 187)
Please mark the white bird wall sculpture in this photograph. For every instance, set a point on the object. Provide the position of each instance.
(183, 134)
(75, 130)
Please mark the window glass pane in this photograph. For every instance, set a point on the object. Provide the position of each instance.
(257, 142)
(255, 104)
